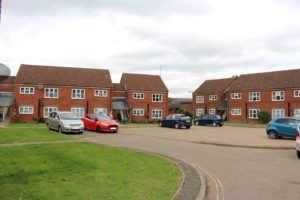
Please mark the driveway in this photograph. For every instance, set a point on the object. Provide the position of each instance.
(232, 172)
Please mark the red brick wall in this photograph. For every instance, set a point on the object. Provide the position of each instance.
(187, 106)
(6, 88)
(265, 104)
(208, 104)
(118, 93)
(64, 102)
(147, 105)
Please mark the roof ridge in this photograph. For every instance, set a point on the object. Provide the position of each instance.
(65, 67)
(286, 70)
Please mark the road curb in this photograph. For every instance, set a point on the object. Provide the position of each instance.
(243, 146)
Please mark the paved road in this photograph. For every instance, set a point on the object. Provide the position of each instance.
(232, 173)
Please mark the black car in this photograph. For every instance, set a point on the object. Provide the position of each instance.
(176, 121)
(214, 120)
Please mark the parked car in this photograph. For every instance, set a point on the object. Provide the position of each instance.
(282, 127)
(100, 123)
(65, 122)
(298, 141)
(214, 120)
(175, 121)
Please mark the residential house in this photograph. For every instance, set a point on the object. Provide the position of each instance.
(6, 96)
(147, 96)
(39, 90)
(211, 97)
(276, 92)
(180, 103)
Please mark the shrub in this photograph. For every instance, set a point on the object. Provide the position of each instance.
(185, 112)
(264, 117)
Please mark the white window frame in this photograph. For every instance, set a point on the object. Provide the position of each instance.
(199, 112)
(199, 99)
(77, 92)
(51, 91)
(213, 97)
(254, 96)
(297, 112)
(48, 108)
(100, 93)
(275, 95)
(236, 95)
(212, 111)
(27, 90)
(236, 111)
(157, 97)
(138, 95)
(100, 108)
(276, 114)
(138, 112)
(297, 93)
(75, 110)
(156, 114)
(26, 110)
(254, 114)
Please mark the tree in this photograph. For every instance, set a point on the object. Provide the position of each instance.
(185, 112)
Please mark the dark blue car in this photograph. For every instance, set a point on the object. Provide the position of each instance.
(176, 121)
(282, 127)
(214, 120)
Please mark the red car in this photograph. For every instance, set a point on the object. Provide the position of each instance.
(100, 123)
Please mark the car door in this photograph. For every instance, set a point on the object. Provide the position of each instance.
(167, 122)
(283, 127)
(292, 127)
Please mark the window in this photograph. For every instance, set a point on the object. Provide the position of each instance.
(79, 112)
(254, 96)
(26, 90)
(100, 93)
(26, 110)
(296, 93)
(212, 111)
(51, 93)
(278, 96)
(213, 97)
(236, 95)
(157, 98)
(48, 110)
(78, 94)
(138, 95)
(297, 112)
(236, 111)
(100, 111)
(199, 112)
(253, 113)
(199, 99)
(138, 112)
(156, 114)
(277, 113)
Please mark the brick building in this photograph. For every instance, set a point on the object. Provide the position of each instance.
(180, 103)
(276, 92)
(147, 96)
(211, 97)
(39, 90)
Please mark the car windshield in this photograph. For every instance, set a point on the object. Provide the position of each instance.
(103, 117)
(68, 116)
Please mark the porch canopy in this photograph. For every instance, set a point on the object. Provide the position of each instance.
(120, 103)
(6, 99)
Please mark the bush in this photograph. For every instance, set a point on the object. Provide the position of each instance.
(185, 112)
(264, 117)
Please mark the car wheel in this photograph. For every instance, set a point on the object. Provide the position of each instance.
(60, 129)
(214, 124)
(188, 127)
(220, 125)
(80, 132)
(197, 123)
(298, 154)
(160, 124)
(177, 126)
(272, 134)
(98, 129)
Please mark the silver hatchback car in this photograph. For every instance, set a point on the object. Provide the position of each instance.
(65, 122)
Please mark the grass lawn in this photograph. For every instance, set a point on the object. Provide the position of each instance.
(245, 124)
(29, 133)
(84, 171)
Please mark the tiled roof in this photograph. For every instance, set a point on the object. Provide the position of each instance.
(268, 80)
(7, 80)
(214, 86)
(63, 76)
(143, 82)
(118, 87)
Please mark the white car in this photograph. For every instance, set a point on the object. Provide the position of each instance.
(298, 141)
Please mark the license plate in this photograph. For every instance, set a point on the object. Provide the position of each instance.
(187, 121)
(113, 128)
(75, 128)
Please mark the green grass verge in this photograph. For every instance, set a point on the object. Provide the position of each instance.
(245, 124)
(29, 133)
(84, 171)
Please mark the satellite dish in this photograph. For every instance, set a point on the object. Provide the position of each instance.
(4, 70)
